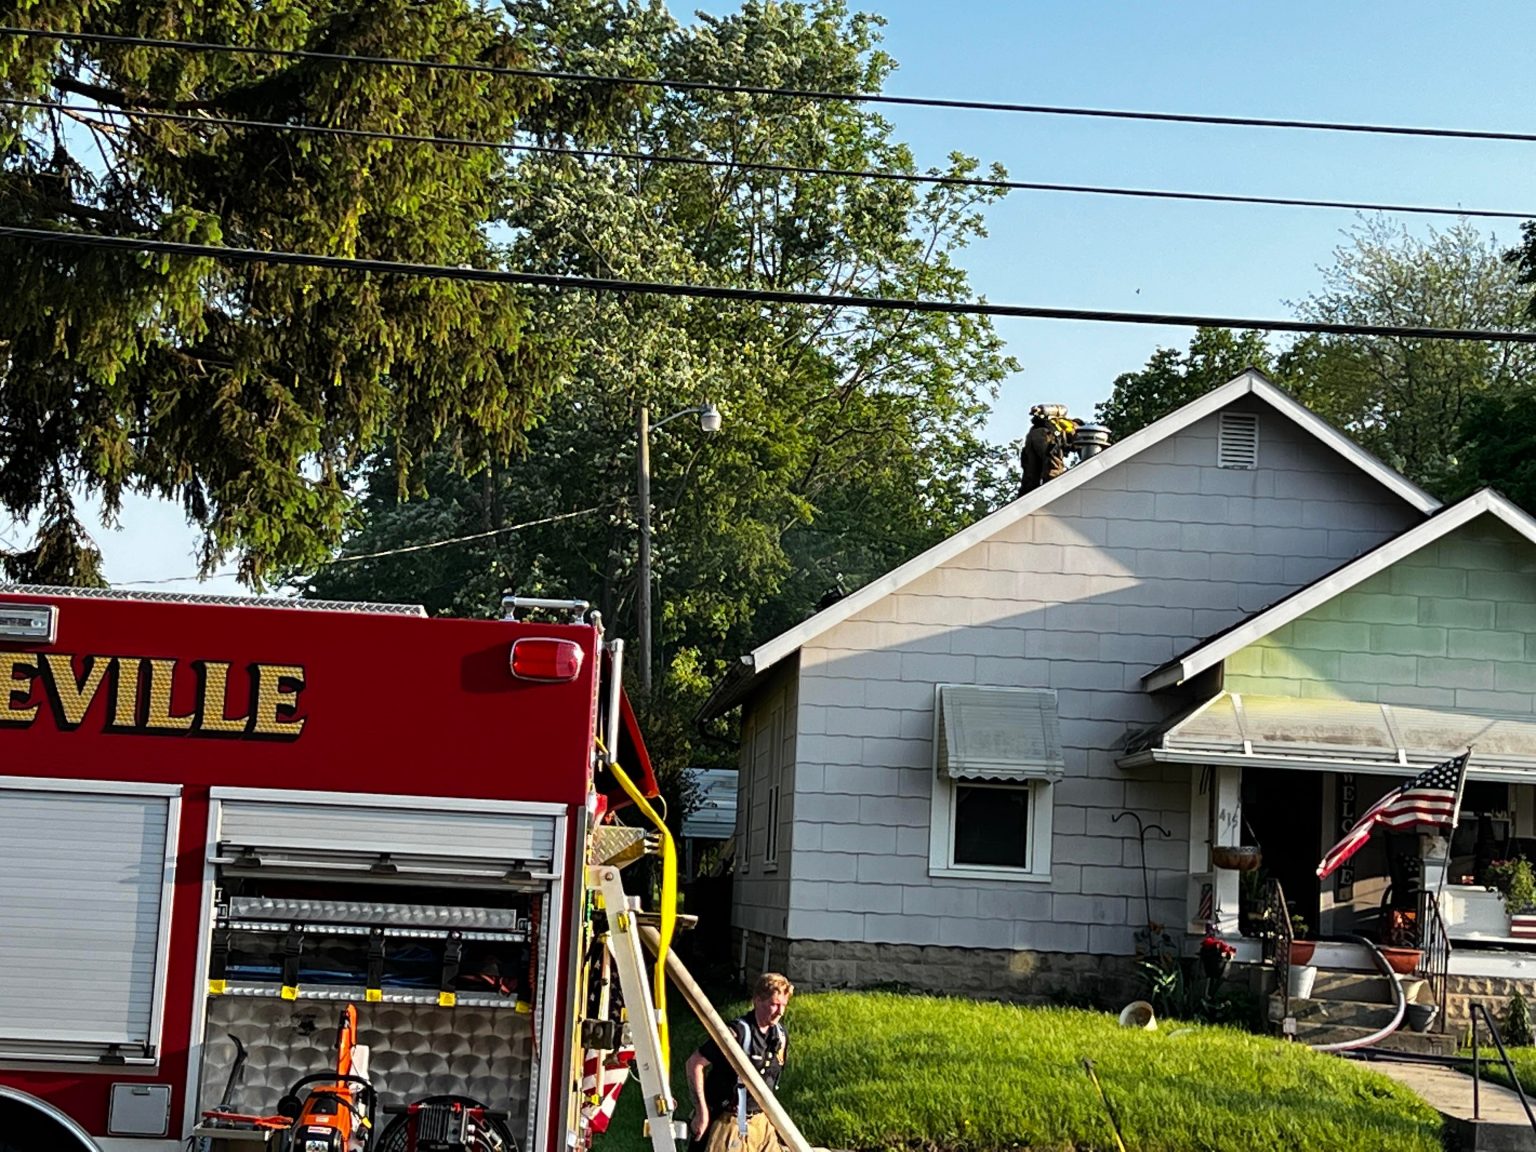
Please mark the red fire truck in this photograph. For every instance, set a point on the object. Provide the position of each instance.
(229, 827)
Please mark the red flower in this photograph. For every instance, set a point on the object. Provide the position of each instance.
(1214, 944)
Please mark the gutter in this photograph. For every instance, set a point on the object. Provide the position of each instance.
(730, 691)
(1492, 768)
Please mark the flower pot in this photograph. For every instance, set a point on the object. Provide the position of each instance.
(1421, 1016)
(1299, 981)
(1138, 1014)
(1301, 951)
(1215, 965)
(1403, 960)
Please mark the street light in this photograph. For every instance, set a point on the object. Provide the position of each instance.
(709, 423)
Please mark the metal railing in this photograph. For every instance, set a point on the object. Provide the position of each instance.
(1277, 942)
(1478, 1009)
(1434, 954)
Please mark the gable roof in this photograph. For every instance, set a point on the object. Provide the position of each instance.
(1217, 648)
(1252, 382)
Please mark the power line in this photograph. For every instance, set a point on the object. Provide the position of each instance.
(464, 539)
(763, 90)
(105, 116)
(170, 580)
(393, 551)
(751, 295)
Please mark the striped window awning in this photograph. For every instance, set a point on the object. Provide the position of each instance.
(1339, 736)
(998, 734)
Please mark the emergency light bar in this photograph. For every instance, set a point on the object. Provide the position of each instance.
(546, 660)
(29, 623)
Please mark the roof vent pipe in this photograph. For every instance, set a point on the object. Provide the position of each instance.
(1091, 439)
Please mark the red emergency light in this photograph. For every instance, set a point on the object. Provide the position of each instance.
(545, 660)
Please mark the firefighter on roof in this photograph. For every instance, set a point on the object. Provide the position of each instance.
(1050, 438)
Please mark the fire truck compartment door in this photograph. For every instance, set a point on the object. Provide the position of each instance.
(422, 836)
(85, 881)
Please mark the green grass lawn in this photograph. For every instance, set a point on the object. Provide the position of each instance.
(883, 1071)
(1524, 1060)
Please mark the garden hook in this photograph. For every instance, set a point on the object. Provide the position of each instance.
(1141, 837)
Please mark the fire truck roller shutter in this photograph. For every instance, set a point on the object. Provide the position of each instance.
(424, 837)
(85, 879)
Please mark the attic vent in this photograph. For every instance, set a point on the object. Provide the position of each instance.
(1238, 443)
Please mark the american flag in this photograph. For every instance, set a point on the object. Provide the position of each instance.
(597, 1105)
(1429, 798)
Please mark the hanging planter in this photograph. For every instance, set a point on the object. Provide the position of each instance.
(1236, 858)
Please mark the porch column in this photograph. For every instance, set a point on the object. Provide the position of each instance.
(1215, 818)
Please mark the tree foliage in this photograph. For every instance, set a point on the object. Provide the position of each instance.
(1172, 379)
(1409, 400)
(851, 438)
(245, 392)
(1450, 415)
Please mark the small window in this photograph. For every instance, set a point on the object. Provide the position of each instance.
(771, 842)
(1238, 441)
(991, 825)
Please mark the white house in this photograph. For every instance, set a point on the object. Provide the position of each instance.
(932, 768)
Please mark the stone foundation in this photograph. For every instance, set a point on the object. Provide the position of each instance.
(1461, 992)
(1107, 982)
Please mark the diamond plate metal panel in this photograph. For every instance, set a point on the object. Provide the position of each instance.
(368, 913)
(414, 1051)
(210, 598)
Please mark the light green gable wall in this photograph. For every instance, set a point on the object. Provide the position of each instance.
(1451, 626)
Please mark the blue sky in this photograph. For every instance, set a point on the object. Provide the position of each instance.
(1405, 62)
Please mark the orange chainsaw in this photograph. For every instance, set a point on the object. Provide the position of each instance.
(335, 1113)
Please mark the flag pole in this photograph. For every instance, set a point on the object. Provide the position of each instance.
(1461, 783)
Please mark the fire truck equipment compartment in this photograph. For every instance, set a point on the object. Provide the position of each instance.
(85, 986)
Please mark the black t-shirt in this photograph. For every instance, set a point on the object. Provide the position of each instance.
(764, 1048)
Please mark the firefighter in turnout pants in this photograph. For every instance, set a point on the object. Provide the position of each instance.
(725, 1117)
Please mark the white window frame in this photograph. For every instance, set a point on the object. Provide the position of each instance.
(941, 825)
(941, 834)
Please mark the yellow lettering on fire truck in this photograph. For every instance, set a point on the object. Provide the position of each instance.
(273, 700)
(17, 688)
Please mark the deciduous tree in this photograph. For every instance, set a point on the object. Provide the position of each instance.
(1409, 400)
(851, 438)
(1171, 379)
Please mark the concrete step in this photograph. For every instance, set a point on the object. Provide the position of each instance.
(1360, 987)
(1459, 1135)
(1423, 1043)
(1361, 1013)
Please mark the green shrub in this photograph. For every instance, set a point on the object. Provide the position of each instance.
(1517, 1022)
(1516, 882)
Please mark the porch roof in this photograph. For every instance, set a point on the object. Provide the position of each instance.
(1339, 736)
